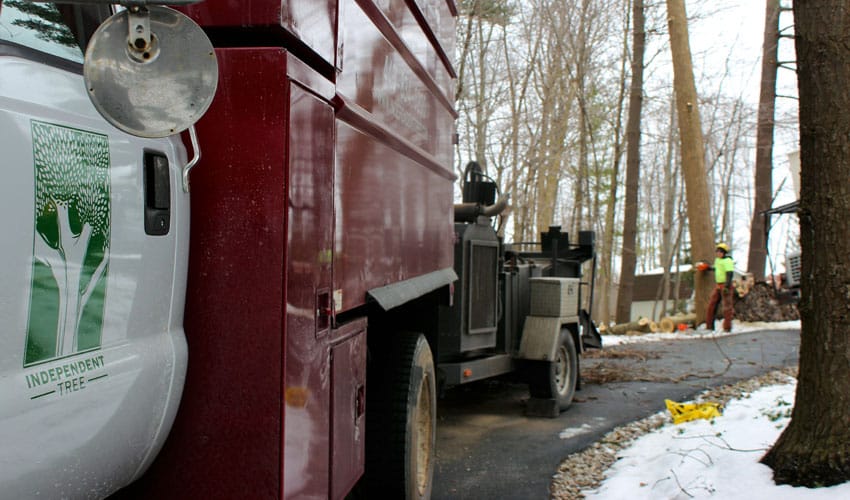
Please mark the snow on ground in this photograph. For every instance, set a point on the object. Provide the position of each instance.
(737, 327)
(718, 458)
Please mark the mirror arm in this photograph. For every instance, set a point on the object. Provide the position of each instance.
(196, 156)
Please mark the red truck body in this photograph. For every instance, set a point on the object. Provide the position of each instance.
(325, 174)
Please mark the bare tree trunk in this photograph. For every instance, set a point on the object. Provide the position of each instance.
(726, 161)
(693, 150)
(581, 192)
(814, 450)
(607, 247)
(517, 92)
(627, 268)
(581, 61)
(764, 141)
(669, 202)
(482, 112)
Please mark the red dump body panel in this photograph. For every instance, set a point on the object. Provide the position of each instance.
(325, 172)
(393, 157)
(312, 22)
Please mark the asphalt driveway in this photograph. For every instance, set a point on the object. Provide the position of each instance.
(488, 448)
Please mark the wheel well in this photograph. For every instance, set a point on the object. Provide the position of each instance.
(419, 314)
(574, 332)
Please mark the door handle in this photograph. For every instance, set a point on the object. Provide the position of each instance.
(157, 194)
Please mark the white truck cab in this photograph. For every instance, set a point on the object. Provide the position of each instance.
(93, 260)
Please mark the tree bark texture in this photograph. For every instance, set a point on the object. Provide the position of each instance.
(693, 151)
(814, 450)
(629, 256)
(764, 141)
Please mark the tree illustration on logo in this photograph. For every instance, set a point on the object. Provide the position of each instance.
(70, 243)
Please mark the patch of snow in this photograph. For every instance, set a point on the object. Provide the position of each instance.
(718, 458)
(571, 432)
(737, 328)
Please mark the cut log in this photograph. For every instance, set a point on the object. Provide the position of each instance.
(654, 327)
(669, 324)
(631, 327)
(744, 285)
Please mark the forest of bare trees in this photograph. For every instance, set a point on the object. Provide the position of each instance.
(544, 93)
(605, 115)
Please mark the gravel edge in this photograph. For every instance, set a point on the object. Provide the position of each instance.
(586, 469)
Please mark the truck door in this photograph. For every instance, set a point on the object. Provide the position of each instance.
(92, 352)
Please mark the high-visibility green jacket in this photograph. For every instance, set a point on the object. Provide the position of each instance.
(724, 268)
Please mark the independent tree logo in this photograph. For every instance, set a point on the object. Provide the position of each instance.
(71, 242)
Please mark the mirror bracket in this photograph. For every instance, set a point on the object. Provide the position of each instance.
(141, 44)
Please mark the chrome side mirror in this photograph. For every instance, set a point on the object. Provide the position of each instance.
(150, 70)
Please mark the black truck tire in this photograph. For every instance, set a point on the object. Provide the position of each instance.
(556, 379)
(401, 421)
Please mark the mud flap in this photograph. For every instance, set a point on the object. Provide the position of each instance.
(540, 407)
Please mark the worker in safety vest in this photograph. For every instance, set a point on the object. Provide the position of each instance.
(724, 270)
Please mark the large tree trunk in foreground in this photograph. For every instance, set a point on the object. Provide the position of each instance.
(693, 152)
(815, 448)
(764, 141)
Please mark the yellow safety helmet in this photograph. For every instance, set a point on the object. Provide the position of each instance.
(722, 246)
